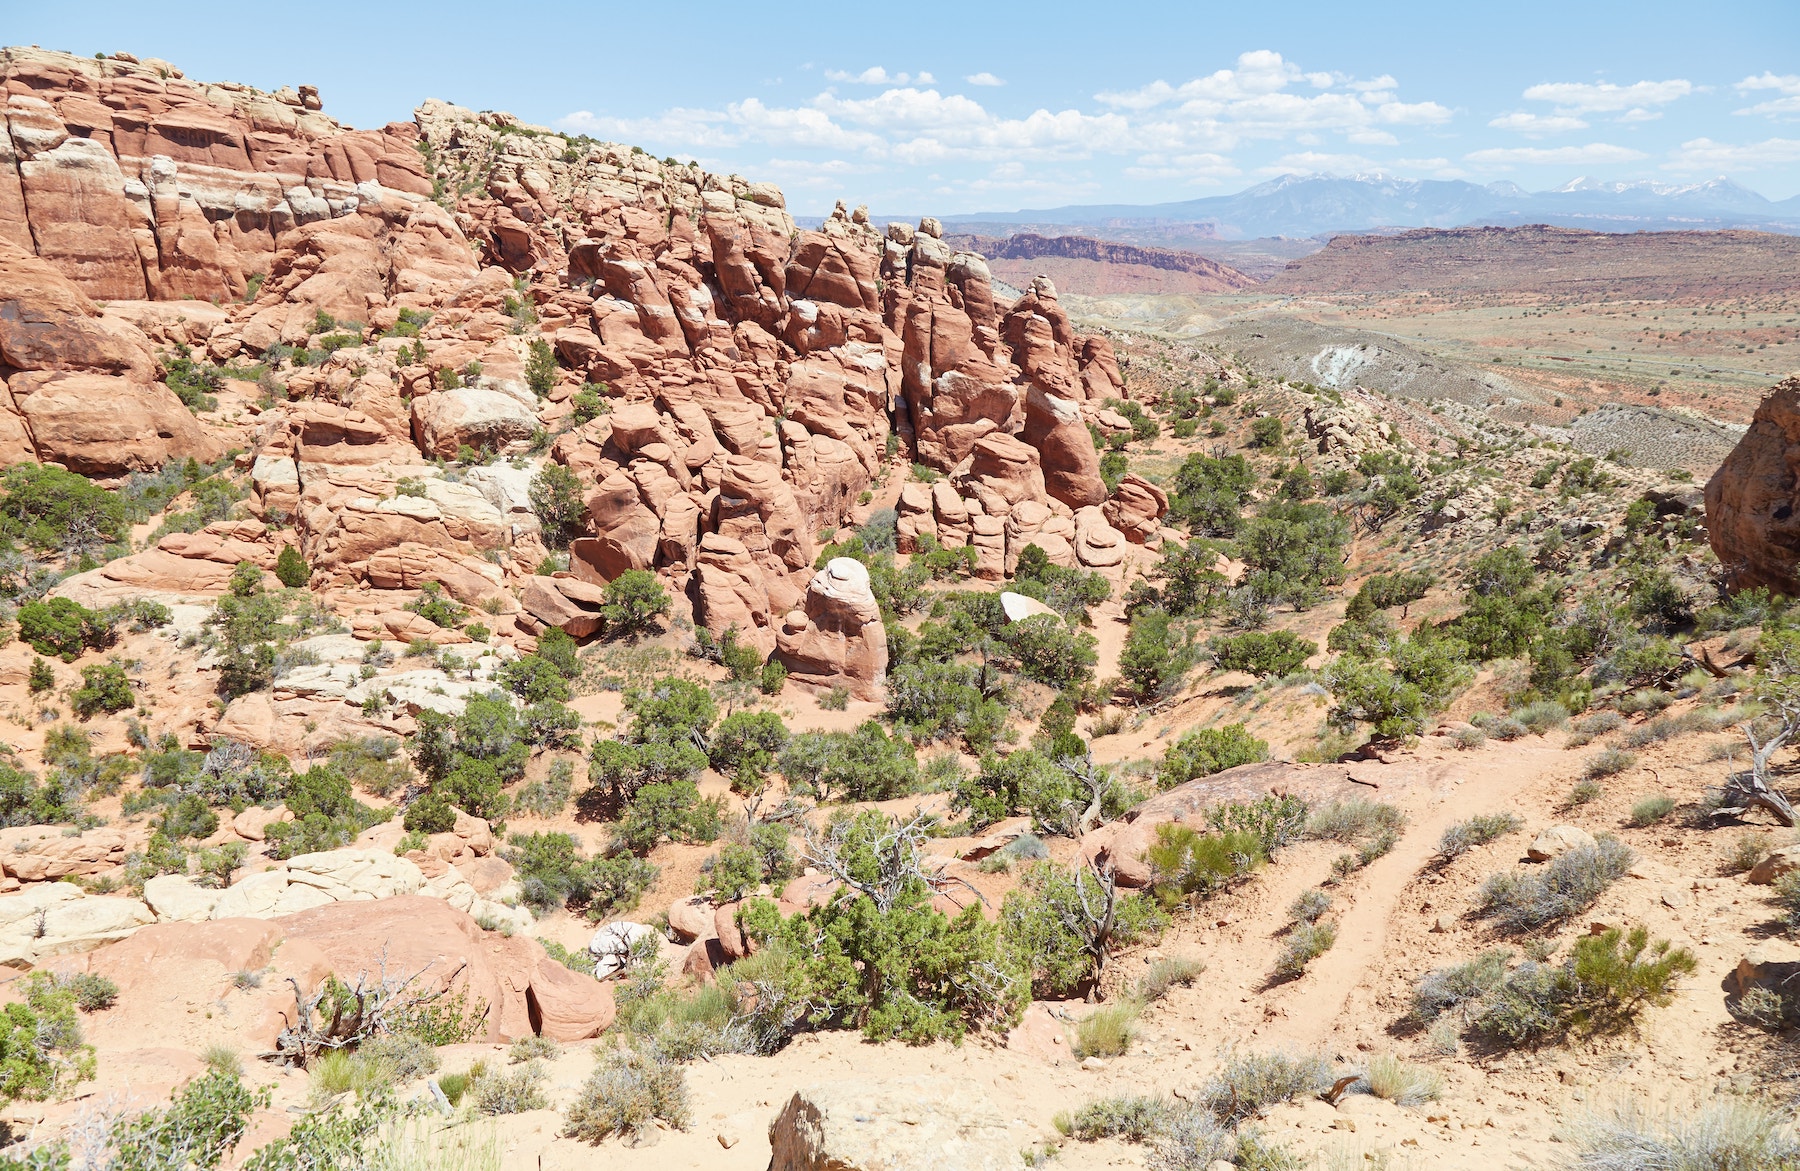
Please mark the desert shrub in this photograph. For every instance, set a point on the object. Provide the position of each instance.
(1303, 944)
(342, 1071)
(1063, 792)
(1048, 651)
(512, 1091)
(104, 688)
(1136, 1118)
(1309, 905)
(49, 509)
(1206, 751)
(1262, 654)
(1785, 894)
(1549, 893)
(952, 701)
(634, 601)
(1047, 927)
(1207, 493)
(1650, 810)
(864, 765)
(326, 814)
(1353, 820)
(1479, 830)
(1609, 763)
(553, 872)
(556, 497)
(291, 568)
(1382, 591)
(1157, 657)
(1275, 821)
(1163, 975)
(1107, 1031)
(628, 1092)
(1744, 853)
(406, 1055)
(1459, 986)
(1583, 791)
(746, 743)
(1599, 724)
(533, 1047)
(1606, 983)
(1067, 591)
(1542, 716)
(1503, 728)
(197, 1129)
(88, 991)
(946, 979)
(1734, 1134)
(534, 679)
(23, 801)
(1185, 863)
(62, 628)
(1402, 1082)
(1249, 1083)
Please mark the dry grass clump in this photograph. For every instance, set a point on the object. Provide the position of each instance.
(1165, 974)
(1652, 809)
(1353, 820)
(1744, 853)
(1566, 885)
(1107, 1031)
(1609, 763)
(512, 1091)
(1479, 830)
(628, 1092)
(1304, 944)
(533, 1048)
(1734, 1134)
(1135, 1118)
(1250, 1082)
(1309, 905)
(1402, 1082)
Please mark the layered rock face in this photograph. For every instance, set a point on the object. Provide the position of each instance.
(754, 380)
(138, 183)
(1753, 500)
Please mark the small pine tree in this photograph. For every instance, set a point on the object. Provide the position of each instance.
(41, 677)
(292, 568)
(540, 369)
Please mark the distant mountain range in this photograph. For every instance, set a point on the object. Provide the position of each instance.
(1311, 205)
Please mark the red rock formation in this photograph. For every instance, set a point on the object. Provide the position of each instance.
(1753, 500)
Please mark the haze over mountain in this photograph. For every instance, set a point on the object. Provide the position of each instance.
(1307, 205)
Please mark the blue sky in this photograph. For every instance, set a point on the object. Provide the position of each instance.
(949, 108)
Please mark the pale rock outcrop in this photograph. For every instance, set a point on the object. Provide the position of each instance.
(839, 639)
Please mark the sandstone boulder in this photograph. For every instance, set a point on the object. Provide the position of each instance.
(474, 417)
(1782, 860)
(1753, 499)
(1557, 841)
(841, 642)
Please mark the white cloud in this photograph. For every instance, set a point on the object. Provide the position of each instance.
(1581, 97)
(1787, 106)
(1703, 154)
(1639, 114)
(1437, 168)
(1593, 152)
(876, 75)
(1787, 83)
(1537, 125)
(983, 78)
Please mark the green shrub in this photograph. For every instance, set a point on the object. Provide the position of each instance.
(49, 509)
(774, 677)
(1309, 905)
(1163, 975)
(626, 1094)
(1275, 821)
(533, 1047)
(1156, 658)
(1353, 820)
(1303, 944)
(1043, 927)
(326, 814)
(1606, 983)
(62, 628)
(1206, 751)
(1566, 885)
(864, 765)
(633, 602)
(104, 688)
(554, 873)
(747, 742)
(1047, 651)
(291, 568)
(1609, 763)
(1184, 863)
(1262, 654)
(540, 368)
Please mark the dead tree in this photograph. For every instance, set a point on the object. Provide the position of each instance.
(1745, 791)
(1091, 916)
(899, 855)
(341, 1016)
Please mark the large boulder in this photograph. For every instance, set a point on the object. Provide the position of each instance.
(1753, 500)
(474, 417)
(839, 640)
(895, 1124)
